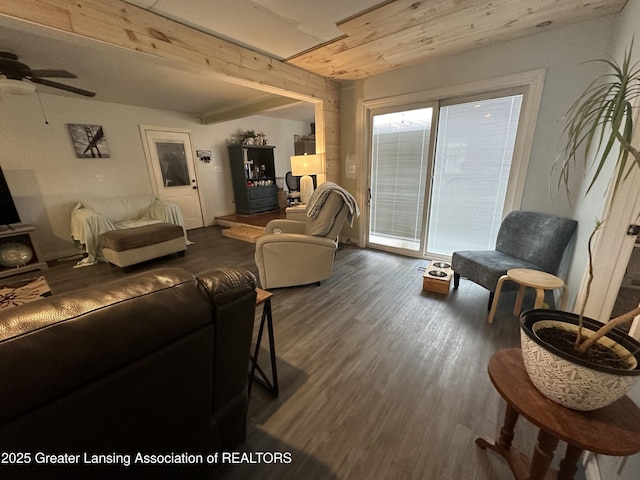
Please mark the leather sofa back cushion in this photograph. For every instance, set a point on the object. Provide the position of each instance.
(118, 323)
(321, 225)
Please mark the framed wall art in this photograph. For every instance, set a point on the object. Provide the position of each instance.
(204, 155)
(88, 140)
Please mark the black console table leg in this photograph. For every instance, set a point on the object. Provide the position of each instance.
(271, 385)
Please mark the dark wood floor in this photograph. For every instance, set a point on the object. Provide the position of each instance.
(378, 379)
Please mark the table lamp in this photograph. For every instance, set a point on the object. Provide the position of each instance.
(303, 166)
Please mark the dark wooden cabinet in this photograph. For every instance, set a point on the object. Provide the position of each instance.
(253, 174)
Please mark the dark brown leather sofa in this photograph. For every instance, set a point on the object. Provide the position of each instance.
(153, 367)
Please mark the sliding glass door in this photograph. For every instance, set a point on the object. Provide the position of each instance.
(437, 190)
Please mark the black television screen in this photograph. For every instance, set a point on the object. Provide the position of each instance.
(8, 212)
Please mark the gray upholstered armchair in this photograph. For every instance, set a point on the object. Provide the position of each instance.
(300, 253)
(525, 240)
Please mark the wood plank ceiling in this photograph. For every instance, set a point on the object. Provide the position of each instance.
(399, 33)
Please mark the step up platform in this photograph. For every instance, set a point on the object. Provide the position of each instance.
(244, 233)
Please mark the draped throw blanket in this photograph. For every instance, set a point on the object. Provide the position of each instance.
(92, 217)
(320, 196)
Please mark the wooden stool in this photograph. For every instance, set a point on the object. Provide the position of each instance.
(270, 385)
(526, 277)
(612, 430)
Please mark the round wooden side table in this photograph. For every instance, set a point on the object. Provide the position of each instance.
(527, 277)
(613, 430)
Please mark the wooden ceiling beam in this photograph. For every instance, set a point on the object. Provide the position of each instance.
(255, 108)
(123, 25)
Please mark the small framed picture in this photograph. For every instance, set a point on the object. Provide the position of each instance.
(89, 140)
(204, 155)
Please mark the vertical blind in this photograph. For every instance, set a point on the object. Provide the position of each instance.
(474, 149)
(400, 150)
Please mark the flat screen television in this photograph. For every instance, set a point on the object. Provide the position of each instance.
(8, 212)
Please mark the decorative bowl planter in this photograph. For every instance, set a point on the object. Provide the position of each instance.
(15, 254)
(572, 381)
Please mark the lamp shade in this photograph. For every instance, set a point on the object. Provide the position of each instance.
(306, 165)
(303, 166)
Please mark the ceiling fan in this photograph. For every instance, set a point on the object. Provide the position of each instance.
(16, 72)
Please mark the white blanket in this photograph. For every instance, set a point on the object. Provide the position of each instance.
(320, 195)
(92, 217)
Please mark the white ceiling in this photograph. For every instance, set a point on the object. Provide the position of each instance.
(117, 75)
(279, 28)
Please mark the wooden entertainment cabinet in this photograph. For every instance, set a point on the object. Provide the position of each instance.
(20, 233)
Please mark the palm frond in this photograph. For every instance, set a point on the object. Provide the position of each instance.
(600, 119)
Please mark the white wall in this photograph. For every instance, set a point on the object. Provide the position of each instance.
(591, 206)
(47, 179)
(626, 28)
(562, 52)
(215, 178)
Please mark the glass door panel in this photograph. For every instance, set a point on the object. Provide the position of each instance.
(399, 161)
(173, 164)
(474, 150)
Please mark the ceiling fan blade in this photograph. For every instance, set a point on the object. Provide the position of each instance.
(51, 73)
(61, 86)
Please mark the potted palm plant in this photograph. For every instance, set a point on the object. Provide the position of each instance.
(574, 360)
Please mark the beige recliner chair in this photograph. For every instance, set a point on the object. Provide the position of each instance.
(299, 253)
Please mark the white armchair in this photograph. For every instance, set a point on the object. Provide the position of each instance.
(300, 253)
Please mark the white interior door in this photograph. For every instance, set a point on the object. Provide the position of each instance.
(170, 160)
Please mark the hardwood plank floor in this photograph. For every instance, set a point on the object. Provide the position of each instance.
(378, 379)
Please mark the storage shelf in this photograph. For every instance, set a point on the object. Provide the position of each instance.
(245, 160)
(21, 233)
